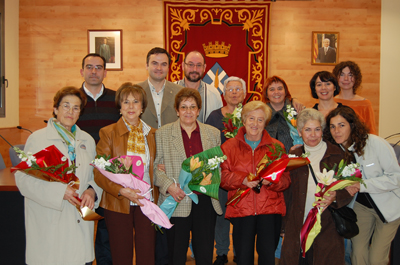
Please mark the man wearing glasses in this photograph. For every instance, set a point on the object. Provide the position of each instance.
(99, 112)
(194, 67)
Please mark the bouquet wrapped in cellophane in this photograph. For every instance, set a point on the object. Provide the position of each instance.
(199, 173)
(327, 181)
(271, 168)
(128, 172)
(50, 164)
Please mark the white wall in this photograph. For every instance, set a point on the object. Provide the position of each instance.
(390, 69)
(11, 64)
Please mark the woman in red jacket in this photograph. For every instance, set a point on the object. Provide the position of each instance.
(256, 214)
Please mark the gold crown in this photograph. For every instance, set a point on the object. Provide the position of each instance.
(217, 50)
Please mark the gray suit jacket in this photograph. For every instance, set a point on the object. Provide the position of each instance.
(168, 113)
(171, 153)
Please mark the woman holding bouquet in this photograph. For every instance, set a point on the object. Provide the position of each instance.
(55, 232)
(277, 96)
(378, 204)
(129, 136)
(328, 246)
(256, 214)
(176, 142)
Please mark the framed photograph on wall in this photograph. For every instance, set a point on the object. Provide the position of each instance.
(324, 48)
(107, 43)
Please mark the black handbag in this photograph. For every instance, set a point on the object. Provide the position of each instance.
(345, 218)
(345, 221)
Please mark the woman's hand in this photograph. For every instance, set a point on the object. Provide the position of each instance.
(353, 189)
(87, 198)
(250, 184)
(132, 195)
(298, 105)
(70, 194)
(161, 167)
(295, 147)
(265, 182)
(328, 199)
(176, 192)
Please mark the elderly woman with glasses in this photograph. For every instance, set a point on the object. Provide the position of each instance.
(175, 142)
(328, 246)
(128, 136)
(234, 93)
(55, 232)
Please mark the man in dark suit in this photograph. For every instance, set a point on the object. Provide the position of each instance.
(326, 54)
(160, 92)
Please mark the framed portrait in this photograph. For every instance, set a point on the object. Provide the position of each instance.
(324, 48)
(107, 43)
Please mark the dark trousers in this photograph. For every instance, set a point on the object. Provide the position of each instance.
(102, 243)
(161, 248)
(267, 229)
(120, 227)
(201, 222)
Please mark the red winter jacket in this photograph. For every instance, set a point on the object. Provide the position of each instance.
(242, 161)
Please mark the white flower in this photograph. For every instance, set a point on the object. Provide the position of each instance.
(326, 178)
(349, 170)
(101, 163)
(238, 111)
(63, 158)
(214, 162)
(292, 155)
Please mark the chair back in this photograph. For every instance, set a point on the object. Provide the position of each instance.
(2, 164)
(14, 156)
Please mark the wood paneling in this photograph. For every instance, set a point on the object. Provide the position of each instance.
(53, 41)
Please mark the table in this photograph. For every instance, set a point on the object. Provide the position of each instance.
(12, 222)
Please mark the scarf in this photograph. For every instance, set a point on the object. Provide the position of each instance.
(136, 142)
(67, 136)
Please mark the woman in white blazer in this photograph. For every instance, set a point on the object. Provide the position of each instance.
(55, 232)
(377, 204)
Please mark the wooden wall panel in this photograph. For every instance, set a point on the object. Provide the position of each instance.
(53, 41)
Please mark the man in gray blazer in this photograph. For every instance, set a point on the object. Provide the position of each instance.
(160, 92)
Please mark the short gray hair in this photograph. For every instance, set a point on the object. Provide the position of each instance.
(310, 114)
(234, 78)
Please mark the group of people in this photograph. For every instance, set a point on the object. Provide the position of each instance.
(165, 123)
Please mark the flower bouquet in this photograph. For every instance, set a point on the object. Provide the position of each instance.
(198, 173)
(128, 171)
(232, 122)
(291, 120)
(346, 175)
(271, 168)
(50, 164)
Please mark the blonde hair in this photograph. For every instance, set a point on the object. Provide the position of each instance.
(257, 105)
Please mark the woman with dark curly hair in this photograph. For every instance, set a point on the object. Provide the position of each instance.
(377, 204)
(349, 78)
(324, 87)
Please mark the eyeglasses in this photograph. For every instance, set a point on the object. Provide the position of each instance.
(192, 65)
(66, 107)
(97, 67)
(188, 108)
(234, 89)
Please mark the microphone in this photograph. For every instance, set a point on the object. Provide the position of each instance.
(21, 128)
(7, 141)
